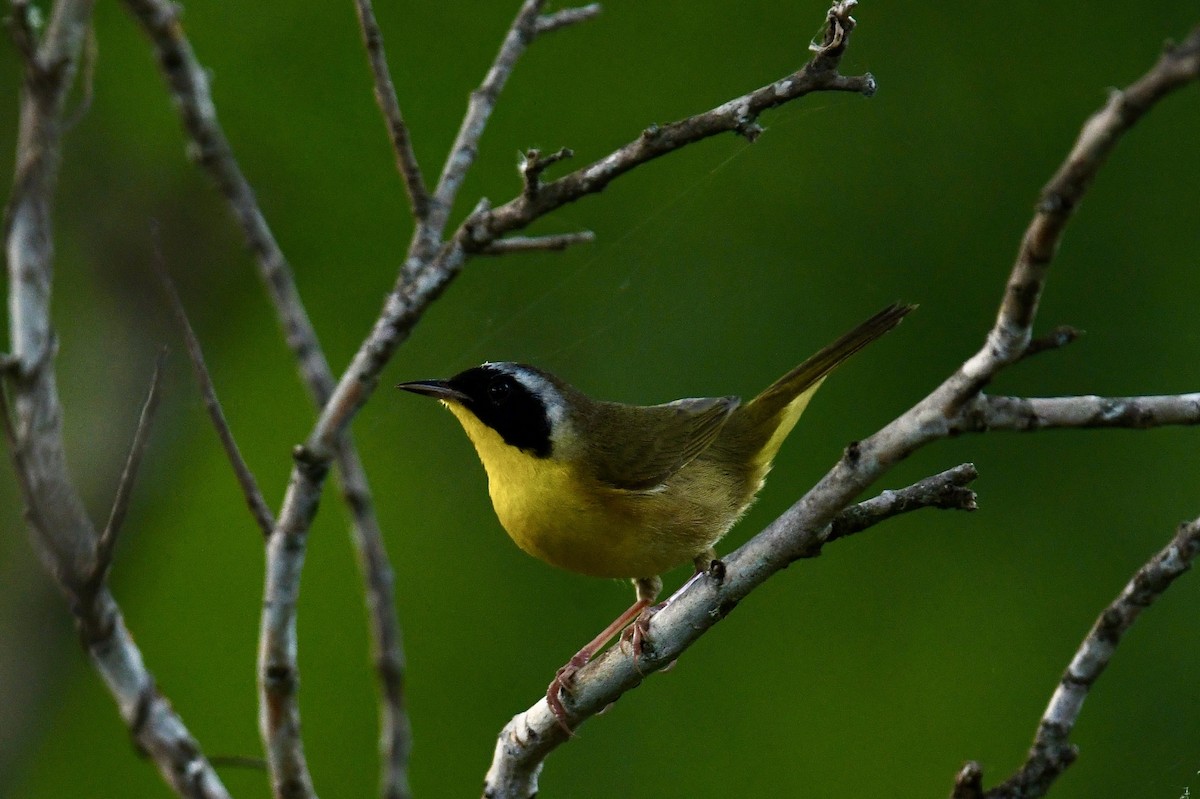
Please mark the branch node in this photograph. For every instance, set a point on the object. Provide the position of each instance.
(475, 231)
(531, 164)
(748, 127)
(1053, 203)
(716, 571)
(869, 85)
(968, 782)
(838, 25)
(24, 27)
(1057, 338)
(651, 132)
(311, 463)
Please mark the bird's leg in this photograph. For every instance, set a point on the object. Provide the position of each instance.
(647, 591)
(637, 633)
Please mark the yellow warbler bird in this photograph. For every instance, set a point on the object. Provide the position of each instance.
(614, 490)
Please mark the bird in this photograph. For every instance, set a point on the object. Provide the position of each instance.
(609, 489)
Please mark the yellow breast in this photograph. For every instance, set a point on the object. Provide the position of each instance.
(558, 514)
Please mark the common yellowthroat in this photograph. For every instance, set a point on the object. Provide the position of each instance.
(614, 490)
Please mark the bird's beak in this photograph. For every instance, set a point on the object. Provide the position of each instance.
(438, 389)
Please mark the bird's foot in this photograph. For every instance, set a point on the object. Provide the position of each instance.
(561, 684)
(566, 675)
(637, 634)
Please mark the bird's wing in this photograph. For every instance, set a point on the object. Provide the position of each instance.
(653, 443)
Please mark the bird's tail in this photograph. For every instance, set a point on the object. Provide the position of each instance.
(771, 415)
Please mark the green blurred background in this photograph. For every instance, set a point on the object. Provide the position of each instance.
(874, 670)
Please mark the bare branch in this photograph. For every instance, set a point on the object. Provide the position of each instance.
(1052, 751)
(1176, 67)
(556, 242)
(389, 106)
(531, 736)
(947, 490)
(62, 532)
(279, 714)
(208, 393)
(479, 109)
(108, 538)
(948, 408)
(207, 145)
(188, 83)
(738, 115)
(987, 412)
(278, 672)
(548, 23)
(387, 647)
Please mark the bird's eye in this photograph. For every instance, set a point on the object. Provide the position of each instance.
(499, 390)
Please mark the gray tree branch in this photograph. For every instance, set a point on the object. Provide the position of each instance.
(62, 533)
(389, 106)
(212, 405)
(107, 542)
(188, 84)
(739, 115)
(1052, 752)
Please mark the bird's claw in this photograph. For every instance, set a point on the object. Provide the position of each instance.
(561, 684)
(637, 634)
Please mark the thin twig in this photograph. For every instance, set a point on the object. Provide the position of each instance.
(116, 517)
(548, 23)
(1052, 751)
(531, 736)
(557, 242)
(479, 109)
(208, 393)
(389, 106)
